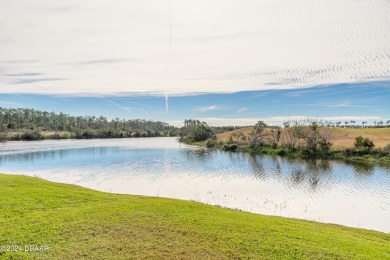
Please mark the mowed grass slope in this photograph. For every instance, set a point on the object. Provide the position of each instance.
(340, 137)
(80, 223)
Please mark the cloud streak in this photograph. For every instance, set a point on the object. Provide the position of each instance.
(208, 108)
(122, 107)
(9, 103)
(343, 104)
(161, 47)
(241, 110)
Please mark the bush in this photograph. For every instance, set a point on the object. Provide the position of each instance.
(364, 144)
(230, 147)
(386, 149)
(201, 133)
(11, 125)
(3, 136)
(325, 145)
(210, 143)
(230, 140)
(32, 135)
(306, 152)
(187, 139)
(87, 134)
(56, 136)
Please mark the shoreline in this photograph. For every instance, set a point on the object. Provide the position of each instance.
(65, 135)
(337, 155)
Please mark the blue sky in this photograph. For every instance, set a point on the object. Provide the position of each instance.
(339, 102)
(269, 60)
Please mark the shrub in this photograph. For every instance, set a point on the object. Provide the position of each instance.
(87, 134)
(324, 144)
(230, 147)
(11, 125)
(210, 143)
(187, 139)
(306, 152)
(363, 143)
(32, 135)
(386, 149)
(56, 136)
(3, 136)
(230, 140)
(202, 133)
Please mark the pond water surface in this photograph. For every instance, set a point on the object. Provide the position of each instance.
(324, 191)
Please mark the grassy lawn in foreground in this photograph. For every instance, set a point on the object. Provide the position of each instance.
(80, 223)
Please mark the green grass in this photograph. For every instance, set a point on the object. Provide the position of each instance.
(80, 223)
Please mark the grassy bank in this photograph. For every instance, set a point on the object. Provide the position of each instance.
(75, 222)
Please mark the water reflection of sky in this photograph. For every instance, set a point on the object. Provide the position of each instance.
(327, 191)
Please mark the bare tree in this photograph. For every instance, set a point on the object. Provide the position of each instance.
(258, 134)
(275, 134)
(289, 136)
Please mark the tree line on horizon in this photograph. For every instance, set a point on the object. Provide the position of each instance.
(350, 124)
(30, 123)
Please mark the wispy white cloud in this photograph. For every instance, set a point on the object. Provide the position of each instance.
(207, 109)
(166, 102)
(334, 105)
(341, 104)
(242, 110)
(329, 118)
(160, 47)
(9, 103)
(128, 109)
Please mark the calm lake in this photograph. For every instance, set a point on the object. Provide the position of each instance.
(324, 191)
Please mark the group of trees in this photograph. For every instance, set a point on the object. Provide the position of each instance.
(195, 131)
(309, 137)
(353, 124)
(303, 138)
(26, 120)
(306, 138)
(189, 123)
(312, 136)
